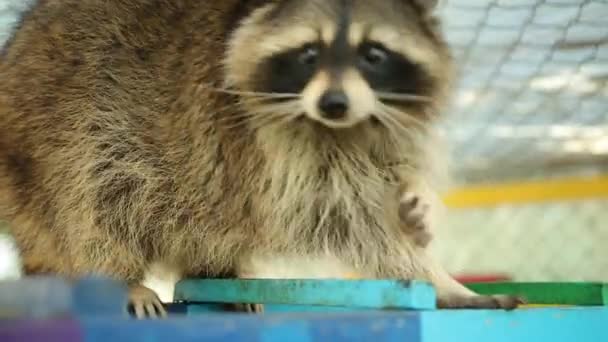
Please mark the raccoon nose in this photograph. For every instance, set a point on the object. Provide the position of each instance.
(333, 105)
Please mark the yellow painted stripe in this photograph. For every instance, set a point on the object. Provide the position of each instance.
(519, 193)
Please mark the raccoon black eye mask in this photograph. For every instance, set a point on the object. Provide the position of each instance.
(384, 70)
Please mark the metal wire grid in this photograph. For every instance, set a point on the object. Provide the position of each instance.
(562, 241)
(532, 103)
(533, 95)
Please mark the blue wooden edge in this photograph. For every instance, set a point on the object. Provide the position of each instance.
(41, 297)
(373, 294)
(527, 325)
(265, 328)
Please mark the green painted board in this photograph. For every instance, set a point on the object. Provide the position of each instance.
(581, 294)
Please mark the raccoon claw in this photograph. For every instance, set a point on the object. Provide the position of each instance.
(481, 302)
(412, 213)
(144, 303)
(249, 308)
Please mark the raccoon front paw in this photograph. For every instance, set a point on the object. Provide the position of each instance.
(480, 302)
(144, 303)
(412, 213)
(249, 308)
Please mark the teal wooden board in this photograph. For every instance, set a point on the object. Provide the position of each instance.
(198, 309)
(372, 294)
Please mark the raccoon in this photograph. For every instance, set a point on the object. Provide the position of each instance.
(258, 138)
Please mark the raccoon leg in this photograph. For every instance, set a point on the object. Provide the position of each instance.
(249, 308)
(453, 295)
(412, 213)
(243, 307)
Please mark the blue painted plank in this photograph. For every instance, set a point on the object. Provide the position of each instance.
(35, 297)
(48, 330)
(373, 294)
(572, 324)
(44, 297)
(99, 296)
(262, 328)
(550, 324)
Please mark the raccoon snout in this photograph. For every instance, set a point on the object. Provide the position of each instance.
(333, 105)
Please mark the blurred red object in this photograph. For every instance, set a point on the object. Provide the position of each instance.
(483, 278)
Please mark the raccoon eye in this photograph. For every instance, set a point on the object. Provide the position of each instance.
(374, 54)
(309, 55)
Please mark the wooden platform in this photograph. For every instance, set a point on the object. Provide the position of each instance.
(297, 310)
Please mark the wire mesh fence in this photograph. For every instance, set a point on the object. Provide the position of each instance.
(534, 81)
(532, 103)
(562, 241)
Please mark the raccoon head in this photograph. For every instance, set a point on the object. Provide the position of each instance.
(340, 64)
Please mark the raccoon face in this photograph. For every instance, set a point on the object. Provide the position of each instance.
(340, 63)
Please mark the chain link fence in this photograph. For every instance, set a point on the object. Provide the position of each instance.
(532, 103)
(534, 80)
(563, 241)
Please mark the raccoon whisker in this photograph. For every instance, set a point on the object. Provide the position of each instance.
(399, 133)
(284, 107)
(392, 127)
(292, 117)
(261, 114)
(287, 119)
(240, 112)
(270, 119)
(235, 125)
(403, 118)
(241, 117)
(230, 108)
(259, 110)
(254, 119)
(234, 117)
(278, 120)
(242, 122)
(257, 94)
(388, 96)
(403, 164)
